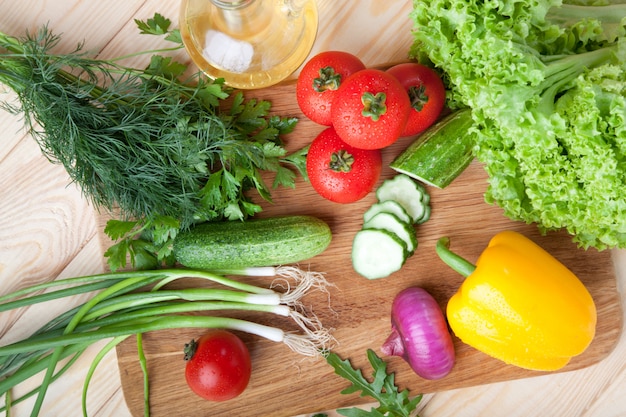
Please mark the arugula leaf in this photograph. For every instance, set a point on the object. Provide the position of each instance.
(392, 402)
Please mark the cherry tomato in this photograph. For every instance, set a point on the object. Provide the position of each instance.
(426, 92)
(218, 365)
(340, 172)
(370, 109)
(319, 80)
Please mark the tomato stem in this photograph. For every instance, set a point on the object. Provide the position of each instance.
(190, 349)
(374, 105)
(328, 80)
(418, 97)
(341, 161)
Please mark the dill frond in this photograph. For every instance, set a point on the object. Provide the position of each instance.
(141, 142)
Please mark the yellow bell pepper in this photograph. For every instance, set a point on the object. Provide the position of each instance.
(520, 305)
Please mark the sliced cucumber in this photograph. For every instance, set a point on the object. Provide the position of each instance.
(412, 196)
(426, 215)
(387, 238)
(441, 153)
(392, 223)
(377, 253)
(388, 206)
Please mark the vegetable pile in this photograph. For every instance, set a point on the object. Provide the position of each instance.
(365, 110)
(545, 81)
(540, 91)
(151, 144)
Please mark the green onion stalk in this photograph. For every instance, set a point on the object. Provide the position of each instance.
(135, 302)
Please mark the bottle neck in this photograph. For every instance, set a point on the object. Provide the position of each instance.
(239, 17)
(231, 4)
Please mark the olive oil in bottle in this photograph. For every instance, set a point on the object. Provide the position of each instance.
(249, 43)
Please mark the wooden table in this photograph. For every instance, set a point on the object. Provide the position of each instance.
(49, 231)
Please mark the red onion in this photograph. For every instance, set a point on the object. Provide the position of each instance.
(419, 334)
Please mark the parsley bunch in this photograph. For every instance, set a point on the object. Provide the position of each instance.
(153, 145)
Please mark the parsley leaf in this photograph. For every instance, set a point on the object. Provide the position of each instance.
(298, 160)
(392, 402)
(157, 25)
(165, 67)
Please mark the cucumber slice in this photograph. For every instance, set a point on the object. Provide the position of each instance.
(388, 206)
(441, 153)
(426, 215)
(391, 223)
(409, 194)
(377, 253)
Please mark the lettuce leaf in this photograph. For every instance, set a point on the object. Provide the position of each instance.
(546, 83)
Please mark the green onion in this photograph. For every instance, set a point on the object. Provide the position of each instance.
(136, 302)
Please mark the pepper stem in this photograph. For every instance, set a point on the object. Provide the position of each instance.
(453, 260)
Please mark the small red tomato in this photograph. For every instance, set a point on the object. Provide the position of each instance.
(218, 365)
(319, 80)
(370, 109)
(340, 172)
(426, 92)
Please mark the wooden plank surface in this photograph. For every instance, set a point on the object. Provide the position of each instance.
(49, 231)
(359, 308)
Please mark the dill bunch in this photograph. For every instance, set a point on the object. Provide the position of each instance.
(147, 144)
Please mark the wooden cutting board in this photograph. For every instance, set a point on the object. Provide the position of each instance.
(285, 384)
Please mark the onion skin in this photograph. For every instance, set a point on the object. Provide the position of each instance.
(420, 335)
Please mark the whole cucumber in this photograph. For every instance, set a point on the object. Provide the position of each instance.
(255, 242)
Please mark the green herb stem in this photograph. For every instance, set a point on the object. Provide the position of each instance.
(191, 294)
(116, 276)
(143, 363)
(32, 368)
(104, 280)
(94, 364)
(142, 326)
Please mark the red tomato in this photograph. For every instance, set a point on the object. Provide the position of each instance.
(340, 172)
(319, 80)
(427, 94)
(218, 365)
(370, 109)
